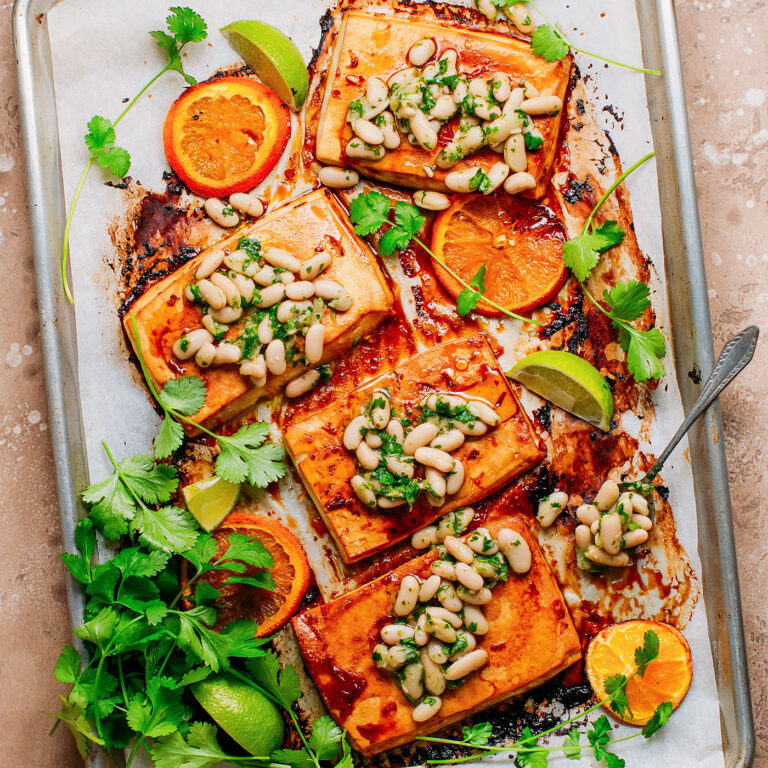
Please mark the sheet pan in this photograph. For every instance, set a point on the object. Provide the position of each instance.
(686, 287)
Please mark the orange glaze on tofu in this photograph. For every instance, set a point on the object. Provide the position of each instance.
(300, 227)
(370, 45)
(464, 365)
(530, 639)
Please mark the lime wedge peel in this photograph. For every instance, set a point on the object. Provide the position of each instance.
(272, 55)
(248, 716)
(568, 381)
(210, 501)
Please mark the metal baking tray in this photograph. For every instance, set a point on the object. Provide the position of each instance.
(689, 310)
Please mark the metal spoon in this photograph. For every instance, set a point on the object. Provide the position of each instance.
(737, 352)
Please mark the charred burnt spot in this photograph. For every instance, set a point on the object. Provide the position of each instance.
(326, 23)
(543, 416)
(574, 316)
(580, 108)
(663, 491)
(574, 192)
(695, 374)
(122, 184)
(174, 186)
(614, 113)
(545, 483)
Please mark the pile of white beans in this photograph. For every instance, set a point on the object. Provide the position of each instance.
(241, 204)
(518, 14)
(613, 523)
(433, 643)
(415, 103)
(379, 441)
(284, 298)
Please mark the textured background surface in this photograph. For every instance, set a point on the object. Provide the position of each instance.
(725, 58)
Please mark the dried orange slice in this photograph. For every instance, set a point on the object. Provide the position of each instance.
(290, 571)
(520, 242)
(667, 678)
(225, 135)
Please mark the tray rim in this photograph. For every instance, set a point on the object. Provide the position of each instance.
(681, 236)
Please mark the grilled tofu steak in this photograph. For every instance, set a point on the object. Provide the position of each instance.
(310, 224)
(530, 639)
(370, 46)
(490, 461)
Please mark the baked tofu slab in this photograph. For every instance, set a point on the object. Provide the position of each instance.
(163, 313)
(369, 45)
(530, 639)
(491, 461)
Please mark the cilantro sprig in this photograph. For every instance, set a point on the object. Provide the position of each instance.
(549, 42)
(626, 301)
(184, 26)
(369, 213)
(528, 752)
(246, 456)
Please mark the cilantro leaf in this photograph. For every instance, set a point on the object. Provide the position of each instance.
(248, 550)
(571, 745)
(158, 712)
(645, 350)
(615, 687)
(200, 750)
(648, 652)
(283, 685)
(528, 754)
(169, 438)
(297, 758)
(101, 134)
(170, 529)
(627, 301)
(660, 717)
(326, 737)
(185, 394)
(203, 551)
(476, 736)
(532, 143)
(73, 716)
(133, 562)
(467, 300)
(408, 222)
(243, 457)
(116, 160)
(67, 667)
(368, 212)
(346, 758)
(548, 43)
(581, 253)
(599, 736)
(186, 25)
(608, 234)
(152, 483)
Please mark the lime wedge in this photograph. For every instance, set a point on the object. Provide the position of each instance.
(274, 58)
(248, 716)
(569, 382)
(210, 501)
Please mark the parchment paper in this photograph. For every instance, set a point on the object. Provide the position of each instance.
(102, 55)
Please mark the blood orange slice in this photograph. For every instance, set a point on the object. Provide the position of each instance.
(520, 243)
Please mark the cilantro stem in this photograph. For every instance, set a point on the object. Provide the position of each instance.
(468, 287)
(136, 746)
(557, 31)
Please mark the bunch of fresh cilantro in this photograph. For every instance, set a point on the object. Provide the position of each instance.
(184, 26)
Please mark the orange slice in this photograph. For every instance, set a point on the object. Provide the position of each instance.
(290, 571)
(225, 135)
(667, 678)
(520, 242)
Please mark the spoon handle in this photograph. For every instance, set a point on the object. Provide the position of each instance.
(737, 352)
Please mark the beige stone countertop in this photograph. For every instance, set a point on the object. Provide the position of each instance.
(725, 59)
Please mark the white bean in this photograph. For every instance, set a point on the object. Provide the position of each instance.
(444, 569)
(376, 91)
(188, 344)
(386, 123)
(442, 630)
(610, 533)
(368, 132)
(395, 428)
(392, 634)
(519, 182)
(643, 521)
(468, 576)
(245, 286)
(542, 105)
(452, 57)
(299, 290)
(360, 150)
(407, 596)
(458, 549)
(335, 293)
(444, 109)
(639, 504)
(373, 440)
(227, 314)
(587, 514)
(475, 596)
(256, 367)
(209, 264)
(471, 140)
(624, 506)
(467, 664)
(551, 507)
(474, 620)
(363, 491)
(411, 681)
(313, 267)
(265, 331)
(607, 496)
(205, 355)
(281, 259)
(380, 414)
(397, 656)
(367, 457)
(431, 201)
(520, 16)
(634, 538)
(583, 536)
(470, 646)
(500, 129)
(434, 680)
(215, 208)
(420, 636)
(227, 287)
(213, 296)
(448, 441)
(418, 437)
(530, 90)
(515, 549)
(353, 433)
(501, 86)
(597, 555)
(595, 526)
(458, 181)
(314, 343)
(270, 295)
(514, 153)
(301, 385)
(380, 652)
(436, 652)
(429, 588)
(237, 258)
(290, 310)
(397, 467)
(433, 457)
(227, 353)
(448, 598)
(483, 411)
(455, 522)
(435, 614)
(264, 275)
(513, 103)
(247, 204)
(425, 134)
(482, 542)
(455, 480)
(337, 178)
(275, 357)
(422, 51)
